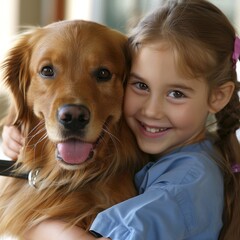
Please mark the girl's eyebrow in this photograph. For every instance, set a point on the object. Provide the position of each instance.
(135, 75)
(178, 86)
(181, 86)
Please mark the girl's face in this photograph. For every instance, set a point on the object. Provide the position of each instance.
(164, 109)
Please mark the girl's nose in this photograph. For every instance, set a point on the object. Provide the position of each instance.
(153, 107)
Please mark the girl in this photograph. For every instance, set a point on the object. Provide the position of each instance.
(183, 72)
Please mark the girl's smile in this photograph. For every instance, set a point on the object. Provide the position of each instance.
(163, 108)
(153, 132)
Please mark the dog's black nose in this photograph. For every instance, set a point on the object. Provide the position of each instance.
(73, 116)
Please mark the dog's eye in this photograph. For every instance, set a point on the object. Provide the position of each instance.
(47, 72)
(102, 74)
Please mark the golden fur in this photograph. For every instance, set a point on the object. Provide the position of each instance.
(89, 62)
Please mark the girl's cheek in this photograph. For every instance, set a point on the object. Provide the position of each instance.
(127, 109)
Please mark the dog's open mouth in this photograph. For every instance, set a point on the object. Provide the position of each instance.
(74, 151)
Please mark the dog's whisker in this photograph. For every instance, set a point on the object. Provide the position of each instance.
(106, 130)
(41, 139)
(40, 124)
(45, 141)
(113, 138)
(31, 137)
(33, 146)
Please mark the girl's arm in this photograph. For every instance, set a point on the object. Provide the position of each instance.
(57, 230)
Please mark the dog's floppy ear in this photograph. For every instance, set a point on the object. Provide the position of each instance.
(17, 77)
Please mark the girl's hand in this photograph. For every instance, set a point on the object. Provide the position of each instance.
(57, 230)
(12, 141)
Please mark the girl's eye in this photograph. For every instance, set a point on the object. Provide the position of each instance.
(47, 72)
(176, 94)
(141, 86)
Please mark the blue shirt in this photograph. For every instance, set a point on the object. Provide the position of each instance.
(180, 197)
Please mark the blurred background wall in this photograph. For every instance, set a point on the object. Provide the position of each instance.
(17, 14)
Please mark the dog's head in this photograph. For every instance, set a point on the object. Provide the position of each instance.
(67, 83)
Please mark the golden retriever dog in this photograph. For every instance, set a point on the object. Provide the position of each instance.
(67, 85)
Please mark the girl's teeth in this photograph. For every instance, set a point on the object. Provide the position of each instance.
(155, 130)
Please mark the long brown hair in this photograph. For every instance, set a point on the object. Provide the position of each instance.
(203, 39)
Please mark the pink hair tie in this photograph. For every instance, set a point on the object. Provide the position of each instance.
(235, 168)
(236, 51)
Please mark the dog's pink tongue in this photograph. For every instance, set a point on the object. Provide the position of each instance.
(73, 151)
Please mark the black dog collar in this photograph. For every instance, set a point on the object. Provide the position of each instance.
(7, 168)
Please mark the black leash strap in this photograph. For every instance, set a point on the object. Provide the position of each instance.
(7, 168)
